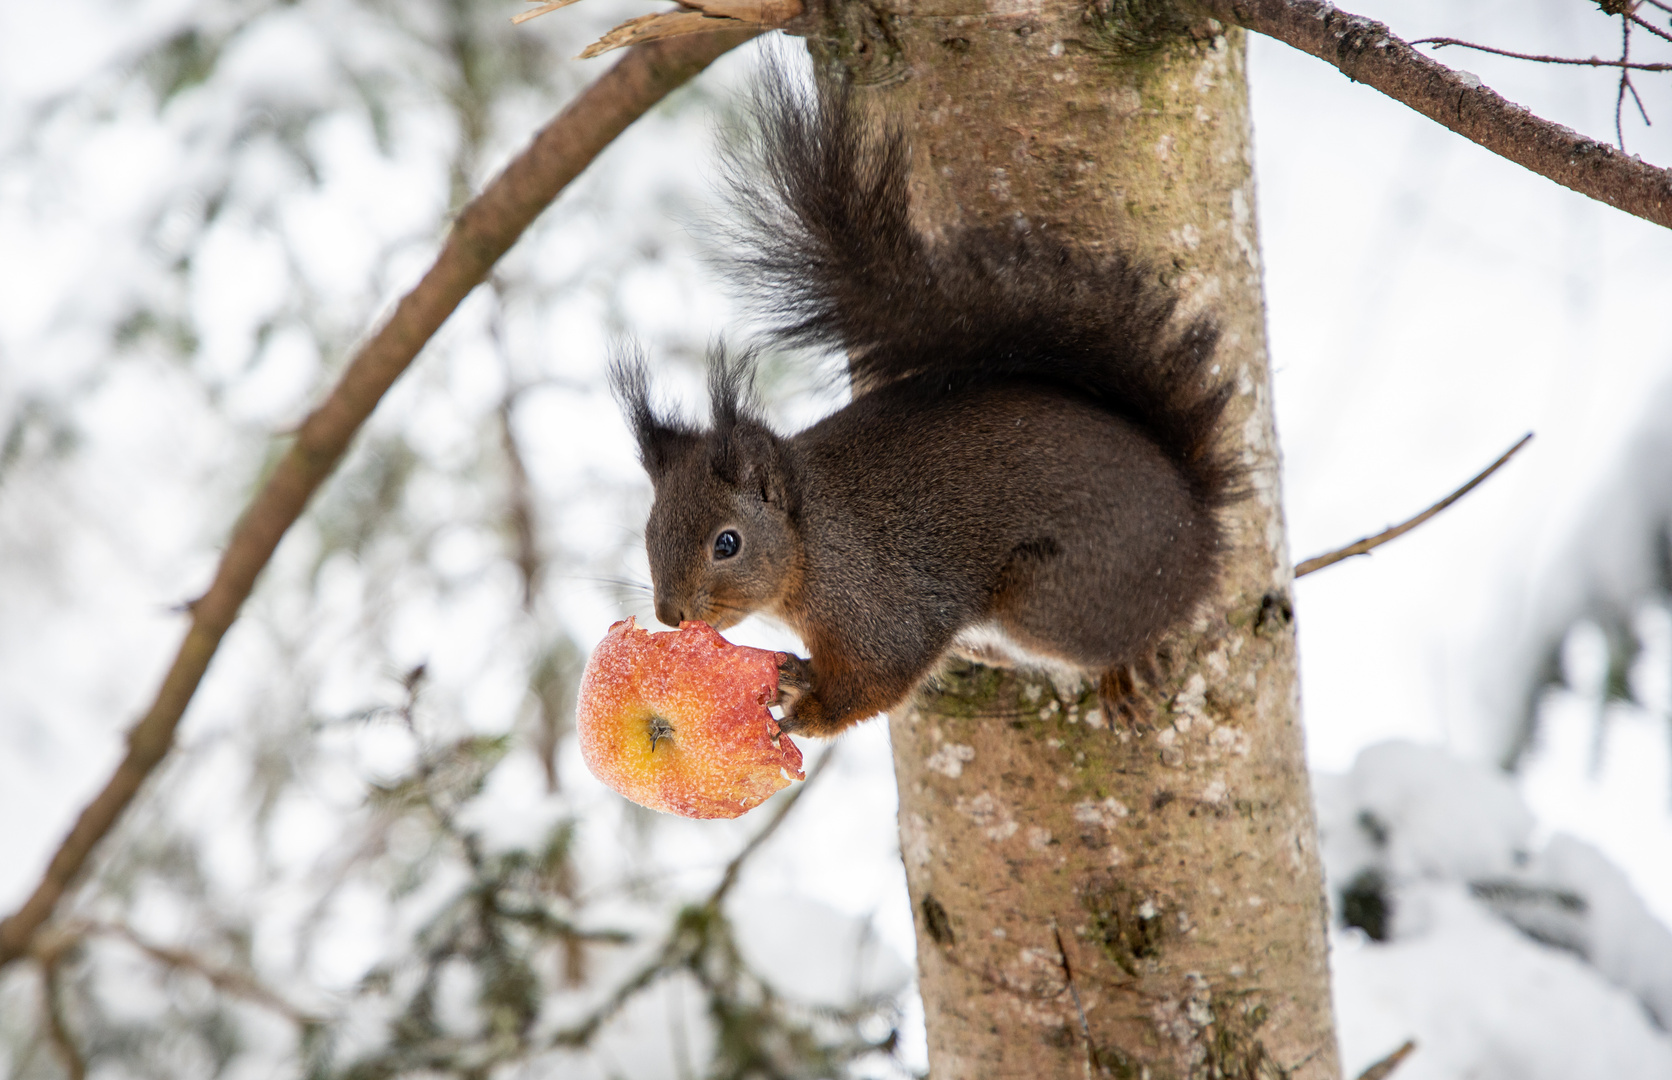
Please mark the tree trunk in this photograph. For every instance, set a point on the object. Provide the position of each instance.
(1097, 898)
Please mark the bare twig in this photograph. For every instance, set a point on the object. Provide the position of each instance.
(735, 867)
(1650, 27)
(547, 680)
(1623, 63)
(1641, 111)
(665, 961)
(520, 505)
(237, 983)
(1382, 1068)
(676, 950)
(1625, 81)
(483, 232)
(550, 925)
(75, 1066)
(1625, 85)
(1592, 61)
(525, 526)
(1368, 52)
(1369, 543)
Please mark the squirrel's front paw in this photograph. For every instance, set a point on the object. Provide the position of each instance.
(795, 679)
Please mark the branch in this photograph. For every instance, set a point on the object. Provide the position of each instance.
(735, 867)
(1362, 547)
(690, 17)
(520, 506)
(1593, 61)
(483, 232)
(546, 923)
(676, 950)
(63, 1043)
(1637, 20)
(1383, 1068)
(1625, 85)
(227, 980)
(1367, 51)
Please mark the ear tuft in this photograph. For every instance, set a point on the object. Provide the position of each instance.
(743, 451)
(731, 389)
(731, 407)
(661, 441)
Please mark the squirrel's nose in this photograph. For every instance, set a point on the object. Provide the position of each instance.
(668, 613)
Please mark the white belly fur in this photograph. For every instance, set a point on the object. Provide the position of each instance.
(987, 643)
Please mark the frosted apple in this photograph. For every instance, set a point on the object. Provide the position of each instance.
(678, 721)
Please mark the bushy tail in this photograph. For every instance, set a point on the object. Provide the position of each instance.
(835, 260)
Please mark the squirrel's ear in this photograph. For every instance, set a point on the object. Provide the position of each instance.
(744, 453)
(661, 442)
(763, 468)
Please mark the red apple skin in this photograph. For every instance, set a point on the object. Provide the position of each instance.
(723, 754)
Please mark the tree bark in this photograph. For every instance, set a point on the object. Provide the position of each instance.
(1097, 898)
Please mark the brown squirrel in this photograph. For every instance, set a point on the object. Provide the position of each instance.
(1027, 471)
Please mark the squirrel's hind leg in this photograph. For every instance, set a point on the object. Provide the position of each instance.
(1117, 696)
(1130, 693)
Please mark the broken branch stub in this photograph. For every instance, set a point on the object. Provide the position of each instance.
(696, 17)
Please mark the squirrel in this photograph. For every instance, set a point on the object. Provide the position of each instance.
(1028, 469)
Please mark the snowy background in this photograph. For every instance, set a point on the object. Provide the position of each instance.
(204, 205)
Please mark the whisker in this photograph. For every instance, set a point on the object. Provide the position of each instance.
(604, 579)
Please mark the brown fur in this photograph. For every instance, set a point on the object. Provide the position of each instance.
(1030, 446)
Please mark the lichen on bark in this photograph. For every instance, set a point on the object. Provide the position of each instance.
(1094, 896)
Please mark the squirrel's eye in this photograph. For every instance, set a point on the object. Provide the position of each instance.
(726, 544)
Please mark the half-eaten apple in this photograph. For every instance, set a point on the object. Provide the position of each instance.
(680, 721)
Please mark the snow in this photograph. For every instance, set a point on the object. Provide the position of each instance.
(1499, 959)
(1484, 1003)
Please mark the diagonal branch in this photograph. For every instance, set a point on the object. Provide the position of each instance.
(1382, 1069)
(1370, 543)
(225, 979)
(676, 950)
(1367, 51)
(1637, 20)
(483, 232)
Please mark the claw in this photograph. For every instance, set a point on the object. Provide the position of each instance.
(795, 678)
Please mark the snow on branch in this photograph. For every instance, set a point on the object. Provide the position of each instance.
(483, 231)
(1367, 51)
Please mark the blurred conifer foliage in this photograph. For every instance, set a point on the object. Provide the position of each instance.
(1601, 623)
(363, 859)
